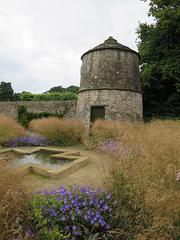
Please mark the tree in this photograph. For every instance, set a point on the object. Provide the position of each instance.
(58, 89)
(6, 91)
(17, 97)
(72, 88)
(159, 48)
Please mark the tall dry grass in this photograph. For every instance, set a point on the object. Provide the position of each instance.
(13, 201)
(106, 130)
(9, 129)
(143, 179)
(59, 131)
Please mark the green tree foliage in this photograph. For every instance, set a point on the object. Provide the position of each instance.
(55, 93)
(6, 91)
(17, 97)
(58, 89)
(26, 96)
(159, 48)
(72, 88)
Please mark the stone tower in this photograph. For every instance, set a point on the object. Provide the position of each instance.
(110, 86)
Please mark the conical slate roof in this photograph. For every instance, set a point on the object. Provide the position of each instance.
(110, 43)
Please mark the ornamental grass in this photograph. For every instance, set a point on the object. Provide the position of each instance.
(13, 202)
(9, 129)
(110, 131)
(144, 181)
(60, 132)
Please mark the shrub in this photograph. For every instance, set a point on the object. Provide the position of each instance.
(9, 129)
(145, 182)
(24, 117)
(33, 140)
(48, 96)
(13, 202)
(38, 115)
(26, 96)
(59, 132)
(73, 214)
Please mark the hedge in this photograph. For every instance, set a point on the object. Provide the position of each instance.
(48, 96)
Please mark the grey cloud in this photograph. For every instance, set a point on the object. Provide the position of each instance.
(41, 41)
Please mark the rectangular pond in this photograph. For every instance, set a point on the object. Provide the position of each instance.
(41, 157)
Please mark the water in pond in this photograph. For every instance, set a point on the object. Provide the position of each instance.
(42, 158)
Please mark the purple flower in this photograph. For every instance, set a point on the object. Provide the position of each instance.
(84, 203)
(63, 209)
(52, 212)
(105, 207)
(110, 146)
(102, 222)
(67, 207)
(76, 233)
(92, 221)
(63, 218)
(32, 140)
(67, 228)
(38, 192)
(75, 210)
(74, 227)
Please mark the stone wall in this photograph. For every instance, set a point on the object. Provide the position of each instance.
(119, 105)
(9, 109)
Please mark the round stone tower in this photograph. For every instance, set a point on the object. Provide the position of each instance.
(110, 86)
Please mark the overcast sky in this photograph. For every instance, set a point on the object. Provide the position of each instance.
(41, 41)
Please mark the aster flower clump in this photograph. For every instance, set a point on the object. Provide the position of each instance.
(32, 140)
(73, 213)
(110, 146)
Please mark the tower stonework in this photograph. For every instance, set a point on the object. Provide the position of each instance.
(110, 87)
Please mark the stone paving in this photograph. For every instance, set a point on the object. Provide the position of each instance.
(92, 174)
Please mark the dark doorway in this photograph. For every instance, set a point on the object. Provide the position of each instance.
(97, 112)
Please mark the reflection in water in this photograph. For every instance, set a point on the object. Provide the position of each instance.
(41, 158)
